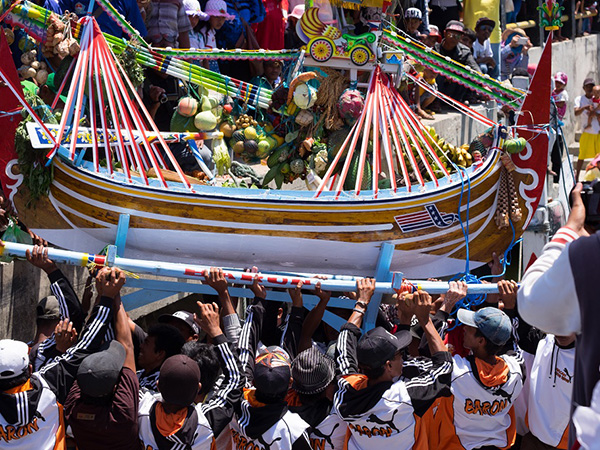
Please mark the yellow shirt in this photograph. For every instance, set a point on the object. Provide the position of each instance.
(474, 9)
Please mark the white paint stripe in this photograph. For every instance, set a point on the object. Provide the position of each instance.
(221, 224)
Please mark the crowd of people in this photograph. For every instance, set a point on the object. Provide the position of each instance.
(469, 32)
(428, 375)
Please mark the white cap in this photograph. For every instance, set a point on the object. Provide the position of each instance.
(413, 13)
(14, 358)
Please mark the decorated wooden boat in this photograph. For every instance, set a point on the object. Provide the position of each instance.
(444, 216)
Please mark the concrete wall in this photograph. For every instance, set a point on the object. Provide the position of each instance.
(579, 60)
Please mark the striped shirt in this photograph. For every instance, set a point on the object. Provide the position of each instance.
(167, 20)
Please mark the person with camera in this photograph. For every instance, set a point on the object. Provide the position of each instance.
(558, 292)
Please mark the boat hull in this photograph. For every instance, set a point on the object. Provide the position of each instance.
(343, 237)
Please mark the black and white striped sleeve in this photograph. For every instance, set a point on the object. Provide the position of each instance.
(431, 384)
(219, 407)
(249, 338)
(346, 359)
(68, 302)
(61, 373)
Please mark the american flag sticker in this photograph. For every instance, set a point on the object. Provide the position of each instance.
(430, 217)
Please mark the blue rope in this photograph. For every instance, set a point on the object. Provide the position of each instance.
(473, 300)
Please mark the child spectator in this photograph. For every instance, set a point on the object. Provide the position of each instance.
(432, 37)
(425, 98)
(589, 146)
(413, 19)
(291, 39)
(195, 15)
(216, 10)
(560, 97)
(168, 24)
(514, 53)
(482, 49)
(595, 105)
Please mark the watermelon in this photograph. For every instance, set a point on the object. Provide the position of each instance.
(367, 179)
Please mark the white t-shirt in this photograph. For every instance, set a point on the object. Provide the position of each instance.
(580, 101)
(480, 50)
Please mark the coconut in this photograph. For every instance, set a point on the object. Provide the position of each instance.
(41, 77)
(187, 107)
(238, 147)
(205, 121)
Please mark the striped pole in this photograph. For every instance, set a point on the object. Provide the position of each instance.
(233, 276)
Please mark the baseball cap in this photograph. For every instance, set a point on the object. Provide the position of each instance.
(561, 77)
(14, 358)
(298, 11)
(493, 323)
(413, 13)
(435, 31)
(48, 308)
(179, 380)
(379, 345)
(99, 373)
(589, 81)
(485, 21)
(312, 372)
(455, 25)
(181, 316)
(272, 373)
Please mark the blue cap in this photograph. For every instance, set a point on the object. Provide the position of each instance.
(493, 323)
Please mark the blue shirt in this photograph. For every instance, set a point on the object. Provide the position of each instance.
(128, 9)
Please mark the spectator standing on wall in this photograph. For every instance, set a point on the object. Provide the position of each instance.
(475, 10)
(168, 24)
(271, 30)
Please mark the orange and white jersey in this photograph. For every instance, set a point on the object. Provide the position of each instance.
(477, 414)
(280, 436)
(40, 423)
(330, 434)
(550, 389)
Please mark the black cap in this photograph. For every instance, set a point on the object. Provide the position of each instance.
(179, 380)
(48, 308)
(181, 316)
(378, 346)
(272, 373)
(99, 373)
(485, 21)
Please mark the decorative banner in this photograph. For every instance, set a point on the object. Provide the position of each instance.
(86, 137)
(454, 71)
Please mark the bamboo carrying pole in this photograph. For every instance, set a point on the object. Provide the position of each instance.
(233, 276)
